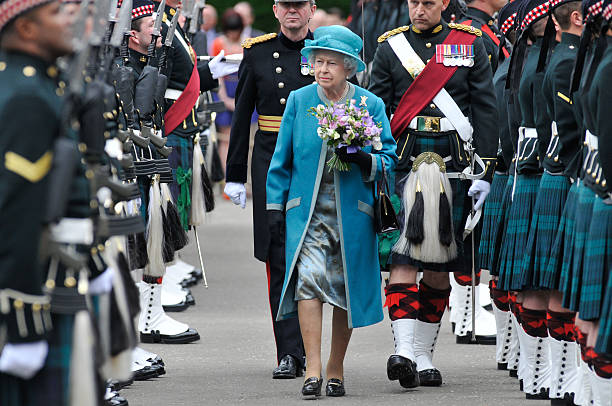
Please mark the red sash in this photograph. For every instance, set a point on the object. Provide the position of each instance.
(485, 28)
(183, 105)
(426, 86)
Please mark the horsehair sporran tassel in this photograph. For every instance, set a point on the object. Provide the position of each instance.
(168, 251)
(414, 229)
(423, 187)
(179, 234)
(198, 205)
(155, 231)
(445, 216)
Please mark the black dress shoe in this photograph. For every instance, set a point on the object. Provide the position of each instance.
(502, 366)
(182, 338)
(179, 307)
(198, 274)
(189, 299)
(513, 373)
(543, 395)
(335, 388)
(288, 368)
(145, 373)
(312, 387)
(402, 368)
(116, 385)
(430, 377)
(116, 401)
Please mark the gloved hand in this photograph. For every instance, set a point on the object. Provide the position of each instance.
(479, 190)
(236, 192)
(220, 69)
(23, 360)
(102, 283)
(276, 225)
(359, 157)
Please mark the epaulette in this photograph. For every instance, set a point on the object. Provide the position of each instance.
(249, 42)
(391, 33)
(466, 28)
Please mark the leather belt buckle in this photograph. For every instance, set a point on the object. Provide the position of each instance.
(429, 124)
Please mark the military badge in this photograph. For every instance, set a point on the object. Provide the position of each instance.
(305, 67)
(455, 55)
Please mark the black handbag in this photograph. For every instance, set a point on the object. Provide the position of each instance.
(385, 219)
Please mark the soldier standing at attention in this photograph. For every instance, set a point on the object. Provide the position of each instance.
(272, 67)
(32, 36)
(434, 136)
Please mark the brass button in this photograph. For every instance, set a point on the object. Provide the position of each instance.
(70, 282)
(279, 69)
(283, 100)
(93, 204)
(36, 307)
(281, 85)
(275, 55)
(52, 71)
(2, 66)
(428, 60)
(18, 304)
(50, 284)
(428, 45)
(433, 106)
(29, 71)
(82, 147)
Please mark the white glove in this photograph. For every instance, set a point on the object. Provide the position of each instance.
(23, 360)
(236, 192)
(102, 283)
(479, 190)
(220, 69)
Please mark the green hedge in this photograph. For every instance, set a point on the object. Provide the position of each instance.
(264, 18)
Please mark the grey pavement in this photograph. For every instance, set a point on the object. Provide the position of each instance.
(233, 361)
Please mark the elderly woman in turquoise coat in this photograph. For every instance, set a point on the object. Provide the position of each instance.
(326, 215)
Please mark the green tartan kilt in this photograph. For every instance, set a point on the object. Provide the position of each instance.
(557, 268)
(491, 220)
(517, 231)
(500, 231)
(49, 387)
(582, 221)
(548, 209)
(440, 144)
(604, 337)
(597, 261)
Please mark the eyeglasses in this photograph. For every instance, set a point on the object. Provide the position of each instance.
(292, 4)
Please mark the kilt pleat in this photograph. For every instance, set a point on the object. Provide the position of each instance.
(597, 261)
(500, 231)
(50, 385)
(582, 222)
(491, 219)
(517, 231)
(556, 275)
(604, 337)
(552, 195)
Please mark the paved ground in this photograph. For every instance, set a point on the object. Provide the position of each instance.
(233, 361)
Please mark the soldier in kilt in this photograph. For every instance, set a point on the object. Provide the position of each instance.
(598, 248)
(33, 359)
(429, 147)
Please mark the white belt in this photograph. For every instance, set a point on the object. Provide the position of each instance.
(527, 132)
(445, 124)
(172, 94)
(73, 231)
(591, 140)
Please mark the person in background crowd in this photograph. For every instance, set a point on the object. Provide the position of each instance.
(232, 26)
(248, 18)
(319, 19)
(204, 38)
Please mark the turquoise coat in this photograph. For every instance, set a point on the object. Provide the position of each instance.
(293, 185)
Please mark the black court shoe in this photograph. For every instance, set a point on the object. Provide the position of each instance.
(312, 387)
(335, 388)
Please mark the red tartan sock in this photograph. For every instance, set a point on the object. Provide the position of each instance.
(602, 364)
(464, 277)
(402, 300)
(581, 339)
(589, 355)
(499, 297)
(432, 303)
(534, 322)
(519, 311)
(561, 325)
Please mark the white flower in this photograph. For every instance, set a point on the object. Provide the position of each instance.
(335, 135)
(321, 132)
(363, 100)
(376, 144)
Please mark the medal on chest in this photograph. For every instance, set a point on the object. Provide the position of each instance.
(455, 55)
(305, 68)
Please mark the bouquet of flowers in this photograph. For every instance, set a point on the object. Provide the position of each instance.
(346, 124)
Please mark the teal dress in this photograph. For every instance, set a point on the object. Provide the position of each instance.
(320, 272)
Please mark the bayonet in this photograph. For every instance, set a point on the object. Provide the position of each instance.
(169, 38)
(192, 28)
(156, 30)
(122, 24)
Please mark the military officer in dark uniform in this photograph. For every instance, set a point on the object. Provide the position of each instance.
(480, 15)
(433, 136)
(272, 67)
(32, 36)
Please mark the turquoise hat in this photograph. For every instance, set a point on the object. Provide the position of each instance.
(336, 38)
